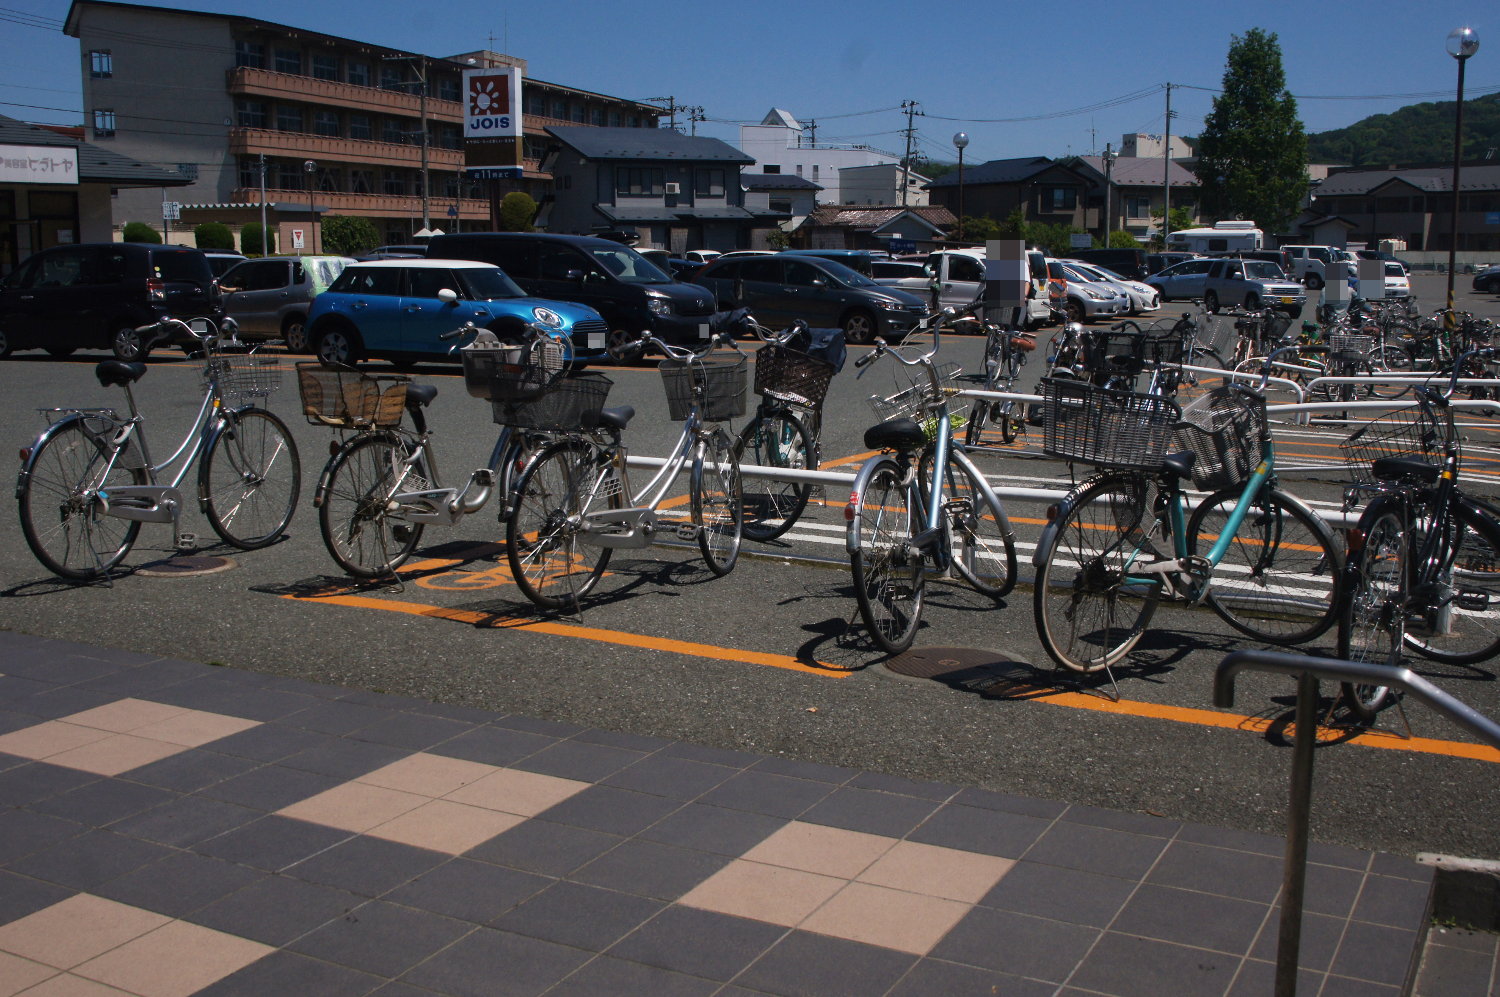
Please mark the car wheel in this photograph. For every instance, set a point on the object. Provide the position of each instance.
(859, 327)
(339, 345)
(128, 344)
(1210, 302)
(1074, 312)
(294, 333)
(1313, 282)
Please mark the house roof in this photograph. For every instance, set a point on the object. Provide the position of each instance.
(870, 218)
(997, 171)
(95, 164)
(776, 116)
(646, 143)
(663, 213)
(1429, 179)
(777, 181)
(1139, 171)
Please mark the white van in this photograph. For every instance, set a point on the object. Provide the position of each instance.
(1224, 237)
(958, 275)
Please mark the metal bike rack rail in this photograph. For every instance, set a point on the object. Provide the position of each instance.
(1308, 670)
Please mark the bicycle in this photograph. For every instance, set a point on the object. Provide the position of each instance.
(382, 487)
(1005, 352)
(1424, 560)
(573, 506)
(1258, 556)
(88, 481)
(920, 501)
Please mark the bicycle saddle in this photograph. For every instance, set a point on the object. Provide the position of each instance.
(615, 418)
(420, 394)
(119, 372)
(896, 434)
(1180, 464)
(1387, 468)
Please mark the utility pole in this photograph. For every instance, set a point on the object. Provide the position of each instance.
(264, 242)
(695, 115)
(1166, 174)
(671, 108)
(1109, 166)
(910, 107)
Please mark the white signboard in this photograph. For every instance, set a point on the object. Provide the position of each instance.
(492, 103)
(38, 164)
(171, 210)
(297, 238)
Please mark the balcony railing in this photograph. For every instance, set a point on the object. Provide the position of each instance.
(304, 145)
(373, 205)
(244, 81)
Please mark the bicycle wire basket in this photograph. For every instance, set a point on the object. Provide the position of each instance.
(1222, 428)
(1086, 424)
(1219, 333)
(242, 375)
(915, 401)
(516, 372)
(792, 376)
(1350, 346)
(570, 403)
(350, 399)
(1408, 432)
(722, 379)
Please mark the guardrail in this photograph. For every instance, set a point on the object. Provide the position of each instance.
(1308, 670)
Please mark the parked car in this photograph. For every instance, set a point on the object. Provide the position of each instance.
(1397, 284)
(782, 288)
(268, 298)
(393, 253)
(1487, 281)
(620, 284)
(1280, 257)
(889, 272)
(95, 295)
(1129, 263)
(1157, 262)
(1182, 281)
(1143, 297)
(1089, 296)
(1252, 283)
(219, 261)
(746, 252)
(397, 309)
(701, 255)
(1311, 264)
(854, 259)
(1376, 254)
(959, 276)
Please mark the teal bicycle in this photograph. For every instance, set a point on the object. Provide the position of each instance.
(1123, 539)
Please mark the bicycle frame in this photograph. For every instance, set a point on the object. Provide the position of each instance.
(444, 505)
(640, 517)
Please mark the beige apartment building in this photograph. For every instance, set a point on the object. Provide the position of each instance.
(326, 125)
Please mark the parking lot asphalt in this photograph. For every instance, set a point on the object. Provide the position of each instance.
(765, 660)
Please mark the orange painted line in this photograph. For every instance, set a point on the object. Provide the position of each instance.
(618, 637)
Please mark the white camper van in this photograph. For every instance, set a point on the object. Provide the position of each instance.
(1224, 237)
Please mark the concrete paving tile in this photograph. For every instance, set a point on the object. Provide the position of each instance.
(713, 829)
(582, 916)
(892, 919)
(353, 806)
(827, 851)
(367, 866)
(614, 811)
(190, 771)
(22, 895)
(411, 731)
(973, 829)
(18, 974)
(649, 869)
(675, 778)
(445, 826)
(935, 978)
(175, 960)
(470, 890)
(493, 745)
(276, 909)
(774, 894)
(1139, 967)
(269, 788)
(874, 813)
(1243, 875)
(179, 884)
(1060, 894)
(1032, 947)
(1376, 953)
(381, 938)
(272, 843)
(546, 848)
(1095, 849)
(767, 793)
(579, 760)
(1188, 918)
(808, 965)
(23, 832)
(89, 860)
(606, 977)
(185, 821)
(27, 782)
(698, 942)
(76, 930)
(288, 973)
(467, 969)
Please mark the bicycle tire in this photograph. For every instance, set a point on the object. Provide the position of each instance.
(1372, 620)
(775, 439)
(982, 543)
(1089, 614)
(718, 502)
(250, 479)
(888, 582)
(548, 559)
(61, 519)
(363, 535)
(1281, 579)
(979, 415)
(1474, 578)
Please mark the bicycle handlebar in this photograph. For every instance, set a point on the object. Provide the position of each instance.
(682, 354)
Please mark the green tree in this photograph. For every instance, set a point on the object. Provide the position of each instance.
(777, 239)
(517, 209)
(213, 235)
(1252, 159)
(257, 241)
(139, 232)
(1121, 239)
(980, 229)
(349, 235)
(1179, 219)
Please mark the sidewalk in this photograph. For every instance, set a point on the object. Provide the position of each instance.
(173, 828)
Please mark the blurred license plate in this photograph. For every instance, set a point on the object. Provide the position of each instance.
(1288, 301)
(596, 340)
(703, 330)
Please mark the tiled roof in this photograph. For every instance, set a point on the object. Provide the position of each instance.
(646, 143)
(870, 218)
(1138, 171)
(997, 171)
(776, 181)
(1429, 179)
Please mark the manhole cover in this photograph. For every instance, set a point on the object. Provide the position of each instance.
(990, 672)
(181, 567)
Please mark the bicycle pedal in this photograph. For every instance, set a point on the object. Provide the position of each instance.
(484, 477)
(187, 541)
(687, 531)
(1474, 602)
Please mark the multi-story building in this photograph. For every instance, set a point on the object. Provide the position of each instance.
(779, 146)
(325, 124)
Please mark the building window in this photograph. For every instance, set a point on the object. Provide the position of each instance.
(249, 172)
(596, 117)
(799, 169)
(536, 104)
(447, 89)
(101, 64)
(359, 127)
(289, 60)
(189, 170)
(362, 181)
(325, 66)
(104, 124)
(614, 119)
(394, 183)
(708, 183)
(326, 123)
(578, 115)
(288, 118)
(1056, 199)
(560, 109)
(451, 137)
(781, 205)
(252, 54)
(359, 74)
(250, 113)
(391, 78)
(391, 132)
(770, 168)
(1137, 207)
(639, 181)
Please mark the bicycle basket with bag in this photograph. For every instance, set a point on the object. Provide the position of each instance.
(512, 372)
(1222, 429)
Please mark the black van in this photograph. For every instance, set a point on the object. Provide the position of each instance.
(629, 291)
(1125, 262)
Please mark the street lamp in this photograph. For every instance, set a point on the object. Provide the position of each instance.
(1462, 43)
(311, 169)
(960, 142)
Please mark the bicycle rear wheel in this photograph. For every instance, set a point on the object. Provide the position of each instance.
(1281, 578)
(250, 479)
(362, 531)
(62, 516)
(1465, 624)
(1371, 624)
(888, 582)
(1090, 612)
(549, 560)
(775, 439)
(718, 502)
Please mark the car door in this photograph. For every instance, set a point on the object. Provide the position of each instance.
(1186, 279)
(809, 293)
(372, 301)
(759, 283)
(66, 301)
(962, 280)
(425, 316)
(253, 294)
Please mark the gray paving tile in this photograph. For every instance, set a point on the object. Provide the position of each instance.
(621, 739)
(272, 842)
(613, 811)
(1234, 839)
(1450, 970)
(1120, 820)
(1402, 867)
(698, 943)
(606, 977)
(1096, 849)
(381, 938)
(101, 803)
(1188, 918)
(288, 973)
(797, 769)
(535, 725)
(23, 784)
(1339, 986)
(543, 847)
(235, 698)
(650, 869)
(1316, 945)
(22, 895)
(23, 832)
(1376, 953)
(880, 782)
(990, 800)
(768, 794)
(1244, 875)
(49, 703)
(577, 760)
(675, 778)
(1332, 889)
(870, 812)
(192, 770)
(713, 829)
(271, 742)
(411, 731)
(585, 917)
(803, 964)
(935, 978)
(344, 759)
(1128, 966)
(468, 968)
(276, 909)
(89, 860)
(180, 883)
(336, 718)
(491, 745)
(469, 890)
(1051, 891)
(187, 820)
(1391, 901)
(1032, 946)
(271, 787)
(713, 756)
(1256, 979)
(990, 832)
(367, 866)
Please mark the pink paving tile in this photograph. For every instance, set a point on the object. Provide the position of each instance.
(175, 960)
(68, 985)
(428, 775)
(889, 918)
(124, 715)
(74, 930)
(16, 974)
(829, 851)
(763, 892)
(47, 739)
(445, 826)
(517, 792)
(935, 871)
(116, 753)
(191, 728)
(354, 806)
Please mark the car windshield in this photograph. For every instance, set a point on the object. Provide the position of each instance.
(846, 276)
(1394, 269)
(487, 283)
(629, 266)
(324, 271)
(1263, 269)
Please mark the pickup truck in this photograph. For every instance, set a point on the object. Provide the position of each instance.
(1252, 284)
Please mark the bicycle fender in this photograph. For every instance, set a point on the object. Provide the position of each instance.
(1048, 538)
(858, 488)
(989, 493)
(36, 446)
(208, 445)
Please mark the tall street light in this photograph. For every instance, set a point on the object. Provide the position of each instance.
(961, 142)
(311, 169)
(1462, 43)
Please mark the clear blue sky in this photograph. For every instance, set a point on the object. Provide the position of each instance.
(1036, 78)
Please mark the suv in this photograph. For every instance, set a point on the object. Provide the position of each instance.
(95, 295)
(1311, 264)
(268, 298)
(958, 275)
(1252, 283)
(630, 293)
(220, 260)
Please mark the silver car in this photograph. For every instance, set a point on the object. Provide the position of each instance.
(268, 298)
(1090, 296)
(1143, 297)
(1181, 281)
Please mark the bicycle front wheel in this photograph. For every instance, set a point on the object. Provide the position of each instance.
(549, 560)
(718, 502)
(1090, 611)
(888, 581)
(1371, 624)
(1465, 624)
(983, 545)
(777, 439)
(360, 524)
(1281, 577)
(62, 512)
(250, 479)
